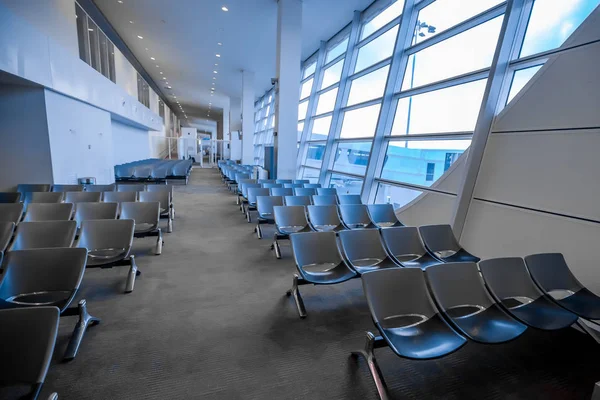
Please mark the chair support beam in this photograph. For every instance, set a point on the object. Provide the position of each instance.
(373, 342)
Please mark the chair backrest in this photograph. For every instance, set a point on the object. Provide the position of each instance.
(83, 197)
(327, 191)
(48, 212)
(160, 188)
(99, 234)
(28, 345)
(163, 198)
(349, 199)
(36, 235)
(383, 215)
(42, 270)
(301, 181)
(253, 193)
(297, 200)
(551, 272)
(311, 248)
(312, 185)
(271, 185)
(67, 188)
(324, 200)
(10, 197)
(402, 241)
(42, 197)
(281, 192)
(457, 284)
(119, 197)
(141, 213)
(323, 217)
(293, 185)
(131, 188)
(87, 211)
(100, 188)
(290, 216)
(247, 186)
(283, 181)
(241, 175)
(305, 192)
(362, 244)
(508, 277)
(355, 216)
(265, 181)
(11, 212)
(6, 233)
(394, 292)
(439, 238)
(265, 204)
(25, 188)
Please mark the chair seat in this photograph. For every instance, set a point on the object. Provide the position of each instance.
(58, 298)
(490, 325)
(416, 260)
(326, 274)
(430, 338)
(542, 313)
(458, 256)
(287, 230)
(372, 264)
(144, 228)
(328, 228)
(583, 303)
(105, 256)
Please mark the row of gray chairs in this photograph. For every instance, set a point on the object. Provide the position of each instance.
(25, 188)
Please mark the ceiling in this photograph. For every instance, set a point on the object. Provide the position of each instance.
(183, 35)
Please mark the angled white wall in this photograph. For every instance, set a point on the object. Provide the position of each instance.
(129, 143)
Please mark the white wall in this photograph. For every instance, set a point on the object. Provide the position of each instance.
(80, 140)
(24, 146)
(129, 143)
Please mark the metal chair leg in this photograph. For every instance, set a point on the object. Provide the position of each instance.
(133, 272)
(277, 249)
(170, 225)
(258, 231)
(85, 320)
(248, 218)
(297, 297)
(369, 356)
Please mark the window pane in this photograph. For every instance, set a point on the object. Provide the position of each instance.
(337, 50)
(352, 157)
(468, 51)
(111, 62)
(326, 101)
(376, 50)
(314, 155)
(300, 129)
(82, 34)
(308, 71)
(93, 44)
(311, 174)
(440, 111)
(346, 184)
(383, 18)
(421, 162)
(320, 128)
(368, 87)
(520, 79)
(444, 14)
(360, 122)
(306, 87)
(552, 22)
(332, 74)
(302, 108)
(396, 195)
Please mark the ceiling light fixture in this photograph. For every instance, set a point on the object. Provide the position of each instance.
(152, 58)
(169, 87)
(218, 55)
(120, 1)
(161, 72)
(220, 44)
(157, 66)
(90, 29)
(222, 8)
(165, 78)
(215, 72)
(131, 22)
(140, 37)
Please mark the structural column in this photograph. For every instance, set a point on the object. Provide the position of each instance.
(247, 117)
(289, 40)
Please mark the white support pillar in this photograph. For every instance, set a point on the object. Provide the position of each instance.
(247, 117)
(289, 40)
(222, 148)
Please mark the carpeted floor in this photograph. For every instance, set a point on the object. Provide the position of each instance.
(209, 320)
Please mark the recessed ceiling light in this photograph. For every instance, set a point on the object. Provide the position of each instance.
(157, 66)
(215, 72)
(120, 1)
(216, 65)
(169, 87)
(161, 72)
(131, 22)
(141, 37)
(152, 58)
(222, 8)
(165, 78)
(218, 55)
(90, 29)
(220, 44)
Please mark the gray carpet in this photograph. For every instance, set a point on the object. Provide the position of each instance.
(209, 320)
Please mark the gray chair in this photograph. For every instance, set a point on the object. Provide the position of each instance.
(324, 218)
(160, 188)
(109, 243)
(301, 181)
(48, 212)
(511, 286)
(552, 275)
(25, 188)
(42, 197)
(312, 185)
(6, 233)
(282, 181)
(404, 245)
(11, 212)
(318, 262)
(293, 185)
(119, 197)
(49, 277)
(355, 216)
(288, 220)
(67, 188)
(28, 338)
(281, 192)
(131, 188)
(164, 199)
(305, 192)
(460, 294)
(243, 200)
(349, 199)
(265, 181)
(253, 193)
(146, 216)
(10, 197)
(383, 215)
(264, 208)
(37, 235)
(324, 200)
(326, 191)
(241, 194)
(271, 185)
(83, 197)
(441, 243)
(100, 188)
(407, 319)
(297, 200)
(364, 251)
(86, 211)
